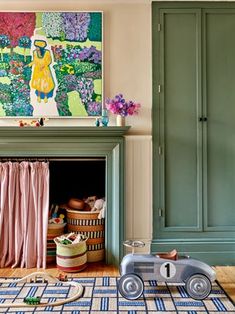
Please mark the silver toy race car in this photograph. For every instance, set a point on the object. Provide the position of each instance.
(170, 268)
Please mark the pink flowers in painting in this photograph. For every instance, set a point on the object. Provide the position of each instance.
(118, 105)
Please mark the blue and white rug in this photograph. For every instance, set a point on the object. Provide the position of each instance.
(101, 296)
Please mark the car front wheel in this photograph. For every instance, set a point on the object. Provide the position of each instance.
(131, 286)
(198, 287)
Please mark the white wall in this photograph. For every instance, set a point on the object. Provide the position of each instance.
(127, 69)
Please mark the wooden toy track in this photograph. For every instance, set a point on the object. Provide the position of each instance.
(40, 277)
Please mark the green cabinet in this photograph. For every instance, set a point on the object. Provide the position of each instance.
(194, 129)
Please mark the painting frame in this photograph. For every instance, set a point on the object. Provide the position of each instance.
(79, 90)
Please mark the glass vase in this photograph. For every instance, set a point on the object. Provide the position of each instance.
(120, 120)
(105, 117)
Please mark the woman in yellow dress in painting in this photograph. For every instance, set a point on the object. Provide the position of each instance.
(42, 80)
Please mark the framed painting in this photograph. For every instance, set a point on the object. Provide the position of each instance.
(51, 64)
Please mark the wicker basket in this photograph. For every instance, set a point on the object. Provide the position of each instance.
(71, 258)
(87, 223)
(53, 231)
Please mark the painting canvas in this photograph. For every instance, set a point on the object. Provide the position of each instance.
(51, 64)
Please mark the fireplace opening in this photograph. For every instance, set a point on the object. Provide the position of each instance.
(78, 178)
(78, 192)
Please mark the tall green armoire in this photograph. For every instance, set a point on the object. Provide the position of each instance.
(194, 129)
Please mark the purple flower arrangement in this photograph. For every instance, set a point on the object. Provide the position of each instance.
(118, 105)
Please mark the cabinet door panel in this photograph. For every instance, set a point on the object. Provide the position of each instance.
(180, 106)
(220, 103)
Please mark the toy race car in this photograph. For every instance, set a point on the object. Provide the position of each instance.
(163, 267)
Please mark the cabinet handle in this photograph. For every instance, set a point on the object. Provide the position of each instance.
(204, 119)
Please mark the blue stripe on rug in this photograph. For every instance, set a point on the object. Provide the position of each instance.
(159, 304)
(219, 305)
(75, 312)
(156, 291)
(80, 280)
(6, 292)
(50, 308)
(153, 283)
(131, 312)
(131, 303)
(106, 281)
(79, 303)
(182, 292)
(104, 304)
(12, 285)
(47, 291)
(103, 291)
(32, 291)
(188, 303)
(59, 284)
(217, 292)
(192, 312)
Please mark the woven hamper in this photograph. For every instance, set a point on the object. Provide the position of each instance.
(87, 223)
(71, 258)
(53, 231)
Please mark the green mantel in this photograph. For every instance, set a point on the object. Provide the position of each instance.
(46, 131)
(77, 142)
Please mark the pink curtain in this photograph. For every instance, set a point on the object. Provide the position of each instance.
(24, 203)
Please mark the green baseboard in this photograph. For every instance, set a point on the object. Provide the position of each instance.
(213, 252)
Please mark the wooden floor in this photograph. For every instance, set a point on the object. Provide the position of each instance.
(225, 274)
(226, 277)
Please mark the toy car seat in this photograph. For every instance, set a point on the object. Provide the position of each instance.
(172, 255)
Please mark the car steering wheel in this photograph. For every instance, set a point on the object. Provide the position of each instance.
(133, 244)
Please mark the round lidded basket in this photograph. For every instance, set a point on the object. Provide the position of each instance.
(71, 258)
(90, 225)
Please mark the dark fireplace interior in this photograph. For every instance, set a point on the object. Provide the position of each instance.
(78, 178)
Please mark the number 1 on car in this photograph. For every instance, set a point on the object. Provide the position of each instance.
(167, 270)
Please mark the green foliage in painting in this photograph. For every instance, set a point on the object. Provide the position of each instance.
(95, 27)
(84, 67)
(5, 94)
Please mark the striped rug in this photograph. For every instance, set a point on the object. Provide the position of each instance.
(101, 296)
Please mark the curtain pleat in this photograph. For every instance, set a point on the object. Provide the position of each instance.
(24, 203)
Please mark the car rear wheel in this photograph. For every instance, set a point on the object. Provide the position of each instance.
(198, 287)
(131, 286)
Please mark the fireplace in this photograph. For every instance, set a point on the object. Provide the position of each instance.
(63, 144)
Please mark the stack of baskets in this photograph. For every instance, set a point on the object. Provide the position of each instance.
(89, 224)
(53, 231)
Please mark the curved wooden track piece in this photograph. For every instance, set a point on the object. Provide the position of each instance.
(41, 277)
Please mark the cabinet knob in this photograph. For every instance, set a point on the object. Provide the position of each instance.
(204, 119)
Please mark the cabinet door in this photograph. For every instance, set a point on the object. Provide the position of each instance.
(180, 129)
(219, 99)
